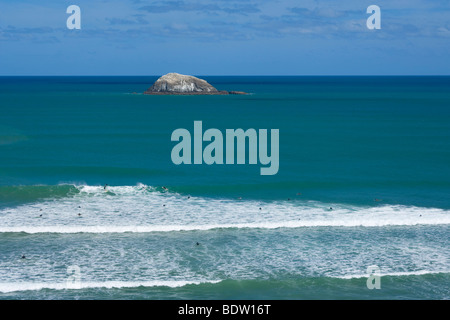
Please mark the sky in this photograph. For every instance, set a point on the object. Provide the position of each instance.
(225, 37)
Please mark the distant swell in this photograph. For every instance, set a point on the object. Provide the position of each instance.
(20, 194)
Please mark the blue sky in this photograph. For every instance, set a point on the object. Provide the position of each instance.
(225, 37)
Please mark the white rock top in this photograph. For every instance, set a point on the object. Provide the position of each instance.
(180, 83)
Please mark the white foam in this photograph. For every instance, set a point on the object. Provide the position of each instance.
(7, 287)
(142, 209)
(172, 228)
(393, 274)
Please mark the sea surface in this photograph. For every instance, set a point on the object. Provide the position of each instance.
(363, 180)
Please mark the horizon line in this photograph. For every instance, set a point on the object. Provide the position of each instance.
(246, 75)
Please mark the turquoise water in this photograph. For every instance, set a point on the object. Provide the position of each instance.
(375, 149)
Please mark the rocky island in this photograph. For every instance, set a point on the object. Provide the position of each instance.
(179, 84)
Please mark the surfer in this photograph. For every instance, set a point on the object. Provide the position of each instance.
(164, 188)
(104, 188)
(197, 244)
(79, 214)
(23, 257)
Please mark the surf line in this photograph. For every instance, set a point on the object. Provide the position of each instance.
(235, 140)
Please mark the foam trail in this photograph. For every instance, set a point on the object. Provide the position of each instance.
(7, 287)
(393, 274)
(172, 228)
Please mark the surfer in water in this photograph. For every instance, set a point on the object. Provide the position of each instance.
(105, 187)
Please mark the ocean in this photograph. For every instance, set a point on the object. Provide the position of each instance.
(363, 181)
